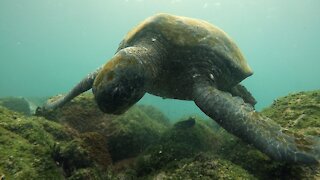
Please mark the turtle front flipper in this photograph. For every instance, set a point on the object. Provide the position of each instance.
(241, 120)
(84, 85)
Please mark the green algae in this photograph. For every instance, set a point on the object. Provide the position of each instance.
(76, 141)
(204, 166)
(248, 157)
(23, 154)
(35, 148)
(97, 147)
(299, 112)
(133, 132)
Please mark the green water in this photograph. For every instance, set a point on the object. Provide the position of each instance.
(47, 46)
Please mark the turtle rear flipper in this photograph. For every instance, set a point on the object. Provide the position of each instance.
(241, 120)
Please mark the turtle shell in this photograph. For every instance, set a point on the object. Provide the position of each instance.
(193, 47)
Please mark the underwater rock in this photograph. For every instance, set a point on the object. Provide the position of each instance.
(204, 166)
(299, 112)
(35, 148)
(72, 156)
(85, 173)
(248, 157)
(155, 114)
(127, 135)
(190, 122)
(17, 104)
(184, 140)
(25, 147)
(97, 147)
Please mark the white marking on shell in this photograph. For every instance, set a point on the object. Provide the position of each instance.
(211, 76)
(115, 90)
(204, 38)
(153, 39)
(226, 47)
(195, 75)
(128, 50)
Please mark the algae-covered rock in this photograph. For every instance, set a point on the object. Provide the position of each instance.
(97, 147)
(35, 148)
(131, 133)
(127, 135)
(205, 167)
(155, 114)
(249, 158)
(17, 104)
(76, 141)
(298, 112)
(25, 147)
(184, 140)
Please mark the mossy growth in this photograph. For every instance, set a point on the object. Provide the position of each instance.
(131, 133)
(299, 112)
(183, 140)
(25, 147)
(97, 147)
(35, 148)
(127, 135)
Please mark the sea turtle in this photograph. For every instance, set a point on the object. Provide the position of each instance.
(190, 59)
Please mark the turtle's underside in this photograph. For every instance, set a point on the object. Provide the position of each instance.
(184, 58)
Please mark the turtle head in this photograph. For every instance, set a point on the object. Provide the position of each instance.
(119, 85)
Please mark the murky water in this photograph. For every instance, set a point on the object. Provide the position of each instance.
(47, 46)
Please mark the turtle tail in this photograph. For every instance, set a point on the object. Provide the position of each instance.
(84, 85)
(240, 119)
